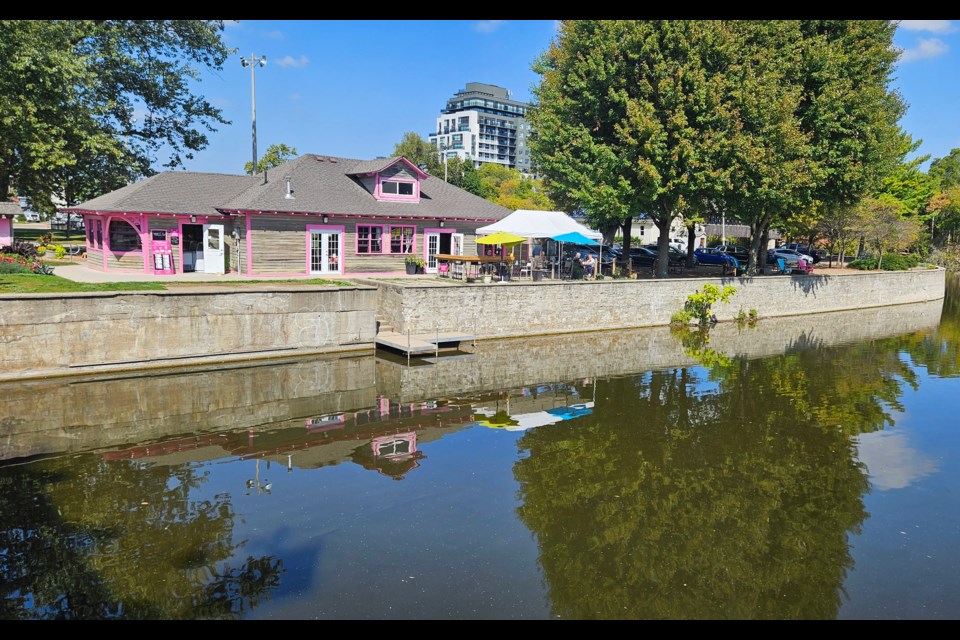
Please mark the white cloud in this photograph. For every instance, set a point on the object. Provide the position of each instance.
(925, 48)
(487, 26)
(933, 26)
(289, 61)
(891, 462)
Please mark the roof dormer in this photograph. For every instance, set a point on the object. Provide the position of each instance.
(391, 179)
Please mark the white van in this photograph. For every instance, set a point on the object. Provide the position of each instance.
(31, 216)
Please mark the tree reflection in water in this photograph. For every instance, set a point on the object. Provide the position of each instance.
(670, 502)
(125, 540)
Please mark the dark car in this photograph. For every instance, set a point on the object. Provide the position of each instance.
(678, 257)
(740, 253)
(817, 254)
(641, 257)
(714, 256)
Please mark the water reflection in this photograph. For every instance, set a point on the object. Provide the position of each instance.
(621, 475)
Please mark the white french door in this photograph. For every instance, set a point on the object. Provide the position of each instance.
(433, 248)
(326, 251)
(446, 242)
(213, 248)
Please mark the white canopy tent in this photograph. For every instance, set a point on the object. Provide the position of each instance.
(539, 224)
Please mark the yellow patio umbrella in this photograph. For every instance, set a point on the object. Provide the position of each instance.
(504, 238)
(501, 237)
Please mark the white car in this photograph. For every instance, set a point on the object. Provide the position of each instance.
(791, 257)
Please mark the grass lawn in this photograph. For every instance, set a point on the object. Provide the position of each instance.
(59, 235)
(35, 283)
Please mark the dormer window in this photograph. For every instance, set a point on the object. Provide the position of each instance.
(393, 180)
(395, 187)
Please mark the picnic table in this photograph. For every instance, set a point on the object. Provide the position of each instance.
(469, 265)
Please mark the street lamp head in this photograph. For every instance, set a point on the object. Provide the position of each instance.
(245, 62)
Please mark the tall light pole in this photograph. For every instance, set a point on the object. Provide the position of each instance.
(252, 62)
(441, 148)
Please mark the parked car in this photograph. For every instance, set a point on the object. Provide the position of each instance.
(31, 216)
(818, 255)
(791, 257)
(740, 253)
(713, 256)
(678, 257)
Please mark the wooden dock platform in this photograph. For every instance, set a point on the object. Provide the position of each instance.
(418, 344)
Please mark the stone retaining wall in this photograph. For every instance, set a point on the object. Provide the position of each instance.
(527, 308)
(45, 335)
(70, 334)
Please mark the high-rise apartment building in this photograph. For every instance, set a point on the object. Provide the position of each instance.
(482, 124)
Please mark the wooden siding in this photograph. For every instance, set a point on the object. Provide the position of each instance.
(398, 170)
(279, 244)
(94, 259)
(128, 261)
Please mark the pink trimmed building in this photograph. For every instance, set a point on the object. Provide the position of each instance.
(8, 213)
(312, 216)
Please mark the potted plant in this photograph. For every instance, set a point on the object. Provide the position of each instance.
(415, 264)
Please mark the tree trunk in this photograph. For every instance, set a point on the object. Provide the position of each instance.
(663, 245)
(627, 232)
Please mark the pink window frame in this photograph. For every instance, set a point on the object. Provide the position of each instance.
(356, 240)
(413, 240)
(342, 230)
(380, 195)
(129, 220)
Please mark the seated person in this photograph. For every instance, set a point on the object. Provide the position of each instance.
(576, 267)
(589, 266)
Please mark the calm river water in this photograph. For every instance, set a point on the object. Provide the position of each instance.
(801, 468)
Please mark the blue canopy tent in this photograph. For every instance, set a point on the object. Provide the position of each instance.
(577, 238)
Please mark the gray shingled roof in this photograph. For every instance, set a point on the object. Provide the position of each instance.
(373, 166)
(172, 192)
(319, 187)
(734, 230)
(328, 187)
(10, 209)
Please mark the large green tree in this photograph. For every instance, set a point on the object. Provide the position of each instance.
(760, 119)
(419, 152)
(88, 105)
(628, 119)
(275, 155)
(946, 170)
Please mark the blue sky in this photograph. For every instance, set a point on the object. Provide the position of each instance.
(352, 88)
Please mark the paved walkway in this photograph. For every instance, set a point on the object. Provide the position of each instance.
(78, 272)
(81, 273)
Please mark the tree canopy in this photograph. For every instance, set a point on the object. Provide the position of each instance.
(419, 152)
(86, 105)
(760, 119)
(275, 155)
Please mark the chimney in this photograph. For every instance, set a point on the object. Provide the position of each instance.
(289, 194)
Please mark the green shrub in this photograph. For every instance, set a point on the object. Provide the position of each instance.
(891, 262)
(700, 302)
